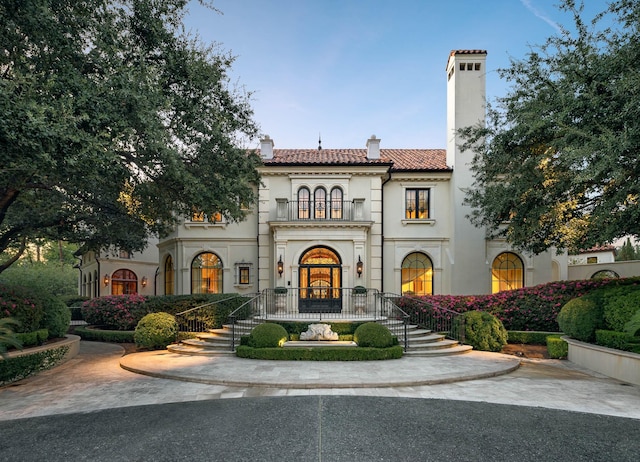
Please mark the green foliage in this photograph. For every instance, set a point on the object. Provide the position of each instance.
(22, 305)
(156, 330)
(633, 326)
(555, 163)
(613, 339)
(579, 318)
(100, 335)
(628, 251)
(340, 328)
(359, 290)
(8, 337)
(46, 278)
(556, 347)
(373, 335)
(214, 316)
(109, 143)
(57, 316)
(20, 367)
(267, 335)
(121, 312)
(527, 337)
(35, 338)
(484, 331)
(620, 305)
(320, 354)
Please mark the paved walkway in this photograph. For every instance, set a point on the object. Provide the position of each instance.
(95, 380)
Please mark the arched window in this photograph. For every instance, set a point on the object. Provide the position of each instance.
(320, 203)
(507, 272)
(206, 274)
(124, 282)
(605, 274)
(336, 203)
(169, 273)
(304, 197)
(417, 274)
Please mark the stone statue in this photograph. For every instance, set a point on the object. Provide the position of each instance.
(319, 332)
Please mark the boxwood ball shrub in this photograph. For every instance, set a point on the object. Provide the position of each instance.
(374, 335)
(267, 335)
(156, 330)
(619, 307)
(579, 318)
(484, 331)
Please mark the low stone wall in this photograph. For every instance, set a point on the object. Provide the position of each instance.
(621, 365)
(73, 341)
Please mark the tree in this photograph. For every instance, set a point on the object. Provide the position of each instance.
(627, 252)
(557, 164)
(114, 124)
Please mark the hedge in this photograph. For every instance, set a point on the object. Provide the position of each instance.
(320, 354)
(556, 347)
(21, 367)
(530, 338)
(100, 335)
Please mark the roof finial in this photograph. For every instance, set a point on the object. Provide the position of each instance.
(319, 142)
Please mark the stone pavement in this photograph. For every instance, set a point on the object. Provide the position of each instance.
(94, 380)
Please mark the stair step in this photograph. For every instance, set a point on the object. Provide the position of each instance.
(451, 350)
(195, 351)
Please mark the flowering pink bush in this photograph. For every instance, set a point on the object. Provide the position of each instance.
(529, 308)
(120, 312)
(20, 304)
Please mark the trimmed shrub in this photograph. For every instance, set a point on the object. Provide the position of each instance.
(580, 317)
(484, 331)
(21, 305)
(612, 339)
(57, 317)
(530, 338)
(320, 354)
(35, 338)
(156, 330)
(633, 326)
(556, 347)
(619, 306)
(119, 312)
(24, 366)
(98, 335)
(373, 335)
(267, 335)
(213, 316)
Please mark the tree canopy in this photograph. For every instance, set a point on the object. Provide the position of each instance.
(557, 163)
(115, 122)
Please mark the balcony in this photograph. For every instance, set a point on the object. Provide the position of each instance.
(325, 211)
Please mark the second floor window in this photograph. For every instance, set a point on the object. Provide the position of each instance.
(416, 204)
(303, 203)
(336, 203)
(320, 203)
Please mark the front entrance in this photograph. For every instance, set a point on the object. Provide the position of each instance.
(320, 281)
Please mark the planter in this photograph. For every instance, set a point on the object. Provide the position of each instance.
(620, 365)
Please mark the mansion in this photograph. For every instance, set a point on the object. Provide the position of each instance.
(387, 219)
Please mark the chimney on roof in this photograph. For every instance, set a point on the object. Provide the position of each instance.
(266, 147)
(373, 148)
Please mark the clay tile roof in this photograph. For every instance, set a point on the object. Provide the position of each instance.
(468, 52)
(397, 159)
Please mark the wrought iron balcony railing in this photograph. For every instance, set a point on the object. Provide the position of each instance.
(319, 210)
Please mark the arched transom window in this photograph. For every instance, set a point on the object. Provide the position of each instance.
(124, 282)
(206, 274)
(507, 272)
(417, 274)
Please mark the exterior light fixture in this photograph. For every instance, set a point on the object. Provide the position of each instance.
(359, 267)
(106, 280)
(280, 266)
(144, 281)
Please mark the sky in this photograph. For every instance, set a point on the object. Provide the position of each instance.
(344, 70)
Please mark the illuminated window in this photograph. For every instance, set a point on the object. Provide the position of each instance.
(206, 274)
(417, 274)
(416, 204)
(124, 282)
(243, 275)
(169, 275)
(336, 203)
(304, 197)
(507, 272)
(320, 203)
(592, 260)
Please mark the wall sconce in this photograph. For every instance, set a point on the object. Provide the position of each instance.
(280, 266)
(359, 266)
(106, 280)
(144, 281)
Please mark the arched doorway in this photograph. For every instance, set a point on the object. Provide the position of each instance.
(320, 281)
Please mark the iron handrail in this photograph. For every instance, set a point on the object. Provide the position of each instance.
(233, 317)
(448, 322)
(195, 325)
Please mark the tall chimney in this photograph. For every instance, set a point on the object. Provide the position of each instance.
(266, 147)
(373, 148)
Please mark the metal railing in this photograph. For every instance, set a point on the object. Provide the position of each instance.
(250, 313)
(397, 320)
(198, 319)
(321, 210)
(428, 315)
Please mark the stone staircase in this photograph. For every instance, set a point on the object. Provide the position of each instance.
(218, 341)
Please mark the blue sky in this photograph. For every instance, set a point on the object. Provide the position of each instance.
(352, 68)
